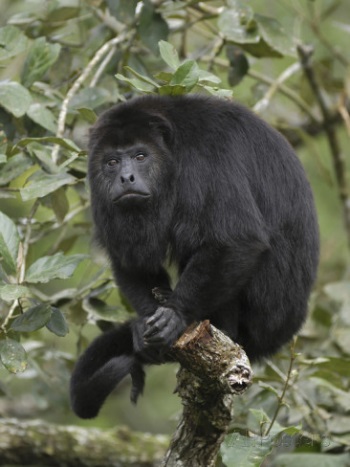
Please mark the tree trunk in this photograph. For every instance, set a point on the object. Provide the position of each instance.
(213, 370)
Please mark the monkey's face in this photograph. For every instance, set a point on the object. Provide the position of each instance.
(126, 176)
(127, 171)
(129, 161)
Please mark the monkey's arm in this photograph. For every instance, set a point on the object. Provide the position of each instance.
(211, 274)
(138, 285)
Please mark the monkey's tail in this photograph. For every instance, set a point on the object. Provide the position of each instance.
(101, 367)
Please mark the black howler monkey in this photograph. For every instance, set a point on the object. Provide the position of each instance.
(206, 183)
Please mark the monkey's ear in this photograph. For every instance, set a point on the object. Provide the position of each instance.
(162, 125)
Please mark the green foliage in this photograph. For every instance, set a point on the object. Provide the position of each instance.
(9, 241)
(63, 62)
(41, 56)
(14, 98)
(13, 356)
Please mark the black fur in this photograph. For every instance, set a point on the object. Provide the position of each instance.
(221, 194)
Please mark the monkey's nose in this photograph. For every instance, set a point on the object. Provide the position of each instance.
(129, 178)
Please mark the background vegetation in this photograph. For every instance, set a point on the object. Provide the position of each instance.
(61, 63)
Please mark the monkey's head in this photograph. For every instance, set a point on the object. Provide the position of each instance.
(129, 156)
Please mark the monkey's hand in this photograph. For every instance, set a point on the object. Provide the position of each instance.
(144, 353)
(164, 327)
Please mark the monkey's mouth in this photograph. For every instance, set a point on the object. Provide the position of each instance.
(131, 196)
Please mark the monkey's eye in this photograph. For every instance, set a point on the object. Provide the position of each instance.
(140, 157)
(112, 163)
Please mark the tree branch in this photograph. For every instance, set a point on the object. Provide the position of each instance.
(38, 442)
(213, 370)
(305, 53)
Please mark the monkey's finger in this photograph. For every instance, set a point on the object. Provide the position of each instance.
(155, 317)
(151, 331)
(156, 327)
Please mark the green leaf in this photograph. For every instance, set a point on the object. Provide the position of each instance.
(237, 23)
(12, 42)
(42, 155)
(13, 356)
(312, 460)
(43, 117)
(9, 242)
(43, 183)
(100, 310)
(57, 323)
(164, 76)
(172, 90)
(90, 98)
(63, 142)
(41, 57)
(3, 158)
(10, 292)
(33, 319)
(273, 34)
(15, 98)
(62, 10)
(123, 10)
(136, 83)
(152, 28)
(14, 167)
(340, 366)
(341, 336)
(143, 78)
(60, 204)
(57, 266)
(238, 450)
(169, 54)
(207, 77)
(239, 64)
(186, 75)
(88, 115)
(340, 292)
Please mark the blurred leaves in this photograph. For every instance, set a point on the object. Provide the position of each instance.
(13, 356)
(57, 323)
(167, 48)
(57, 266)
(41, 184)
(15, 98)
(152, 27)
(40, 58)
(261, 36)
(9, 242)
(12, 42)
(33, 319)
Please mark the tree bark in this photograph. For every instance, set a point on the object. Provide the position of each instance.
(44, 444)
(213, 370)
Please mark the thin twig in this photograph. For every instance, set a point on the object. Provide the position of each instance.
(305, 53)
(282, 88)
(344, 112)
(285, 387)
(314, 24)
(69, 216)
(78, 83)
(263, 103)
(102, 67)
(217, 49)
(22, 258)
(293, 96)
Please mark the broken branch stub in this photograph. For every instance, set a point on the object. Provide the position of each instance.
(213, 370)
